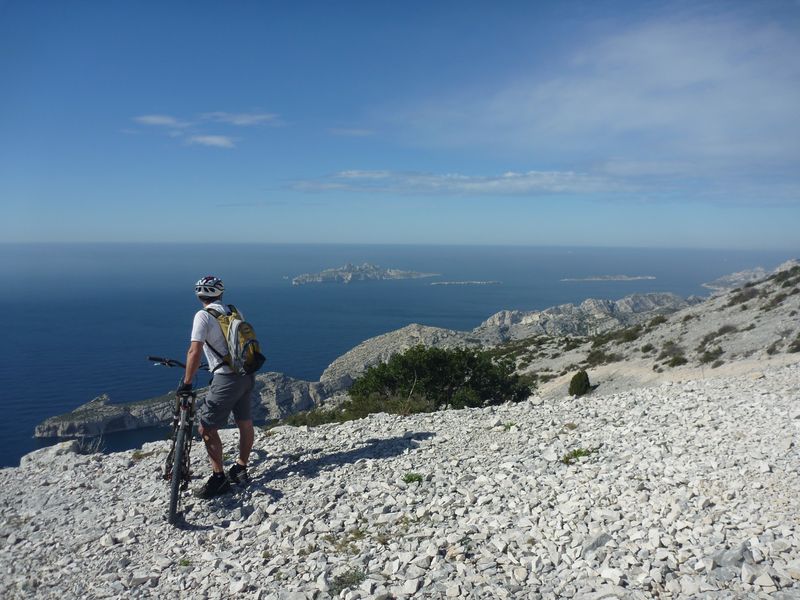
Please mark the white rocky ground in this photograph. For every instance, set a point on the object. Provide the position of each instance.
(690, 490)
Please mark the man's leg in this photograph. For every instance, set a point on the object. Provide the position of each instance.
(246, 435)
(213, 447)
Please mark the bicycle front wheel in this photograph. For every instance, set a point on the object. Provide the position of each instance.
(177, 475)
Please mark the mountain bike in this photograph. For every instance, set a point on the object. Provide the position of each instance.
(177, 468)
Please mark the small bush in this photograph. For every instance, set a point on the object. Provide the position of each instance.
(345, 581)
(670, 349)
(412, 477)
(688, 318)
(774, 347)
(571, 344)
(795, 345)
(776, 300)
(676, 361)
(743, 296)
(655, 322)
(648, 348)
(711, 355)
(717, 363)
(628, 334)
(573, 455)
(579, 385)
(714, 335)
(600, 357)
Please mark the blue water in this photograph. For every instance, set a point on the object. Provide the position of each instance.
(82, 318)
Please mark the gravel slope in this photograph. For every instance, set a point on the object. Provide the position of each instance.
(689, 490)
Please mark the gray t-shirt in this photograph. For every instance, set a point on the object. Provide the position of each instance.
(206, 329)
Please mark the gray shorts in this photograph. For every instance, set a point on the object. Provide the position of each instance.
(227, 393)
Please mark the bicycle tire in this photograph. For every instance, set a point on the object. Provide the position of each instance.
(177, 476)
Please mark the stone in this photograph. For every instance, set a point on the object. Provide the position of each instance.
(749, 573)
(764, 580)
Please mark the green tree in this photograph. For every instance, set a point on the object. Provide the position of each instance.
(579, 385)
(454, 378)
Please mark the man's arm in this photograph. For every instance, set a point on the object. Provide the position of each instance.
(193, 357)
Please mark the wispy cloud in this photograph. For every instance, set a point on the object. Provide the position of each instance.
(217, 141)
(195, 131)
(161, 121)
(712, 100)
(241, 119)
(510, 183)
(351, 131)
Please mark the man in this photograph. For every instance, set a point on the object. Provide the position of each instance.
(228, 391)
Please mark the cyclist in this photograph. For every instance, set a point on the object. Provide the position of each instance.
(228, 391)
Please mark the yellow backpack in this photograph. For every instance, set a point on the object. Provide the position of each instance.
(243, 354)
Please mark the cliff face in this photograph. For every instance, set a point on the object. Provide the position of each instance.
(589, 317)
(277, 397)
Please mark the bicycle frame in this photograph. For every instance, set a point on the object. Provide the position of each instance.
(177, 467)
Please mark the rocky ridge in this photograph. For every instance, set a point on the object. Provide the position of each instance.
(278, 396)
(683, 490)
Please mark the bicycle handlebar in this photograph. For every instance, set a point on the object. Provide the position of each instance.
(171, 362)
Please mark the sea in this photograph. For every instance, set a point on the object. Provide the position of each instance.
(80, 319)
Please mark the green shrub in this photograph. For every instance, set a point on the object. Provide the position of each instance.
(656, 321)
(628, 334)
(447, 378)
(600, 357)
(676, 361)
(648, 348)
(412, 478)
(579, 385)
(795, 345)
(670, 349)
(573, 455)
(742, 296)
(714, 335)
(775, 301)
(717, 363)
(711, 355)
(345, 581)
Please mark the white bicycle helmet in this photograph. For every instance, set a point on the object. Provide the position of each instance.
(209, 287)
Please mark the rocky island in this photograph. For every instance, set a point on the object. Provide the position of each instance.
(363, 272)
(610, 278)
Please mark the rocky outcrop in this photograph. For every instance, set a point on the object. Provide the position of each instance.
(99, 416)
(278, 396)
(589, 317)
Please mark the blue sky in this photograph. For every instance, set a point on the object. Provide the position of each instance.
(566, 123)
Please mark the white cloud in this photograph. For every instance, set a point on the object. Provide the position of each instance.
(161, 121)
(510, 183)
(241, 119)
(711, 100)
(217, 141)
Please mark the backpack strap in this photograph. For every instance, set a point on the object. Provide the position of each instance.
(223, 362)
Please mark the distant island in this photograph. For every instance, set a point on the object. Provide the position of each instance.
(610, 278)
(350, 273)
(467, 283)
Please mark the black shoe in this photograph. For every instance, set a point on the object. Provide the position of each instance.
(215, 486)
(238, 474)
